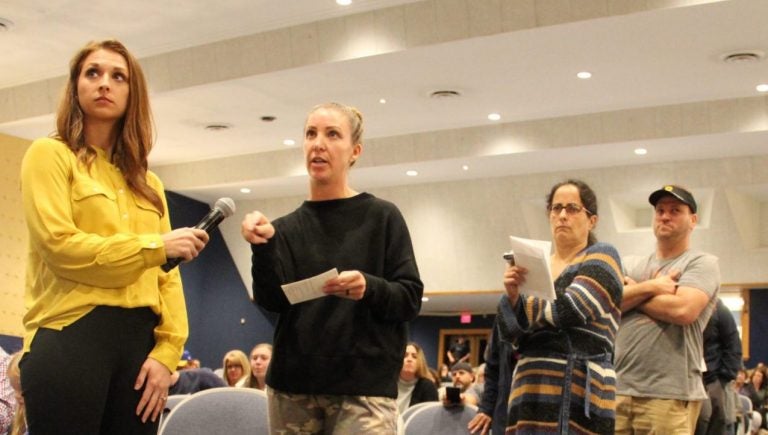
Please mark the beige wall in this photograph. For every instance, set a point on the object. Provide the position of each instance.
(13, 236)
(461, 228)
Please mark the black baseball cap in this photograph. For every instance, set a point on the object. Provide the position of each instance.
(461, 366)
(675, 191)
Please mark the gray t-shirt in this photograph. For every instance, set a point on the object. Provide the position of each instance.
(658, 359)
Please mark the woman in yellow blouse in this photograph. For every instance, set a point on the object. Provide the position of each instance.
(104, 326)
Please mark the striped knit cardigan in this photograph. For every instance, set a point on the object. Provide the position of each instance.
(564, 381)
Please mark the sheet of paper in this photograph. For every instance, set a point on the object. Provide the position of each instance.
(534, 256)
(308, 289)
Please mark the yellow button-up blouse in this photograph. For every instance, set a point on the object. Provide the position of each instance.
(94, 242)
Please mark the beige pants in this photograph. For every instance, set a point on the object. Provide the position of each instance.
(643, 415)
(331, 415)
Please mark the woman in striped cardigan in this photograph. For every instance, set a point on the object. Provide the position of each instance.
(564, 381)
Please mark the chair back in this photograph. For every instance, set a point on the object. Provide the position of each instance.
(745, 403)
(409, 411)
(173, 400)
(435, 418)
(219, 410)
(745, 417)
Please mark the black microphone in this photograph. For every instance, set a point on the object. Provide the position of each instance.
(223, 208)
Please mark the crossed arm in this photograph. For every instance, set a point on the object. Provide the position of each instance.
(662, 299)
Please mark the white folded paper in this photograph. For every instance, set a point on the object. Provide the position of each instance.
(534, 256)
(308, 289)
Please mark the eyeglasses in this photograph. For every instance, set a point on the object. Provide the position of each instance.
(570, 209)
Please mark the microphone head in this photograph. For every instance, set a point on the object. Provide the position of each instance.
(226, 205)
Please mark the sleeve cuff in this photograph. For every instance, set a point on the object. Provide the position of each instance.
(153, 249)
(509, 327)
(167, 355)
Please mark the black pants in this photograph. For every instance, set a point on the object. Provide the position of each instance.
(80, 380)
(713, 418)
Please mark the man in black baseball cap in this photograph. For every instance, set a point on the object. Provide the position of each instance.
(675, 191)
(668, 298)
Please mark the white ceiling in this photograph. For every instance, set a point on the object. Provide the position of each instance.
(647, 57)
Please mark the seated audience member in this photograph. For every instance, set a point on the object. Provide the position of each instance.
(19, 422)
(740, 384)
(237, 369)
(463, 378)
(186, 361)
(756, 390)
(754, 420)
(7, 400)
(414, 385)
(445, 374)
(190, 381)
(261, 354)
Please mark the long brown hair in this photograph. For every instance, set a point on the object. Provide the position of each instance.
(253, 381)
(422, 370)
(135, 137)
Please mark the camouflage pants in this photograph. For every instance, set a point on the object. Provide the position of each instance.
(331, 415)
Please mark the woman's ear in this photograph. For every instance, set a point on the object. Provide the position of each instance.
(593, 221)
(356, 151)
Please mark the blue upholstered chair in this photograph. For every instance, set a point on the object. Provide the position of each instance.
(219, 410)
(435, 418)
(173, 400)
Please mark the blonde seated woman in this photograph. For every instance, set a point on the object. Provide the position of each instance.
(237, 369)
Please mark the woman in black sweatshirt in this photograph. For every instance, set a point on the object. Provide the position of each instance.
(336, 358)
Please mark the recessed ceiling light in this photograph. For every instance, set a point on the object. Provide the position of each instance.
(344, 2)
(465, 167)
(245, 190)
(746, 56)
(383, 100)
(289, 142)
(218, 126)
(584, 75)
(411, 173)
(425, 299)
(494, 116)
(641, 151)
(763, 87)
(445, 93)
